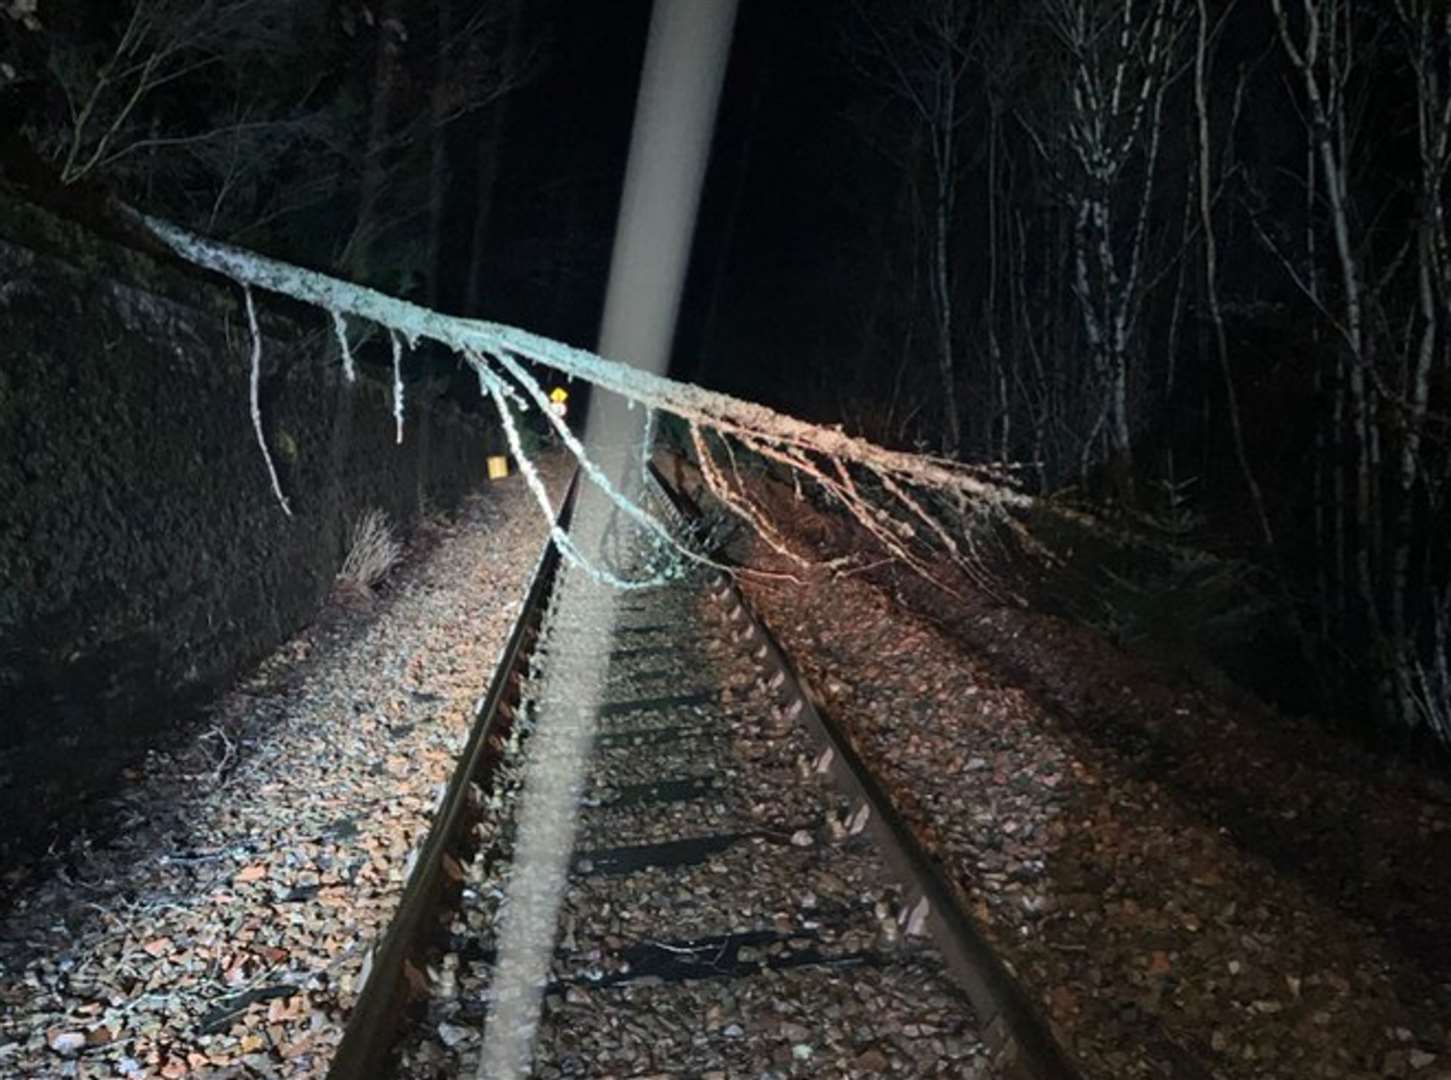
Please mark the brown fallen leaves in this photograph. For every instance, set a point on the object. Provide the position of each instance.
(1140, 918)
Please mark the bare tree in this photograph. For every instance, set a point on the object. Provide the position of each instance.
(1323, 57)
(1204, 188)
(159, 43)
(920, 53)
(517, 58)
(390, 37)
(427, 74)
(1426, 689)
(1100, 126)
(1383, 298)
(222, 55)
(244, 117)
(196, 107)
(1020, 332)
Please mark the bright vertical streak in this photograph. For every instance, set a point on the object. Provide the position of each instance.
(670, 145)
(685, 63)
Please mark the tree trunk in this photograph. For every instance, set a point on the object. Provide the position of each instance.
(1211, 275)
(942, 296)
(487, 176)
(438, 158)
(356, 256)
(1004, 426)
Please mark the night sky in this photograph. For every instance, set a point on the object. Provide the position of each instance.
(773, 216)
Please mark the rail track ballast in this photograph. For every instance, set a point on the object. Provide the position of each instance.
(657, 858)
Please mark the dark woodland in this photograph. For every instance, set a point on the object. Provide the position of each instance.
(1184, 262)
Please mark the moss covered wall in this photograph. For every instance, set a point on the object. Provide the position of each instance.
(143, 557)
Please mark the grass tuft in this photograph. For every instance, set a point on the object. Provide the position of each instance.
(373, 551)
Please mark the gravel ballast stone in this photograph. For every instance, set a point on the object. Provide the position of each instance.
(221, 932)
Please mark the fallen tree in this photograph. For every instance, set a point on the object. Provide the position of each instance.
(898, 497)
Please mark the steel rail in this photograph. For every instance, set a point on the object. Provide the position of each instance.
(1015, 1031)
(370, 1033)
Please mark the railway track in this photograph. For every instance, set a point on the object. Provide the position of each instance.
(712, 883)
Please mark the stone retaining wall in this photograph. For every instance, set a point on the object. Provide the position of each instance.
(143, 557)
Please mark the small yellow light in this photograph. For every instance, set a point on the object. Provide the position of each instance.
(559, 395)
(498, 467)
